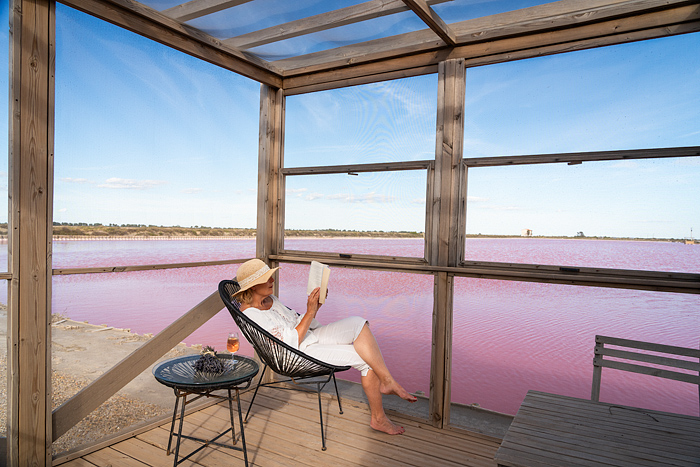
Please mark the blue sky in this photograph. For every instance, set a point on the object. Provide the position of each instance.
(148, 135)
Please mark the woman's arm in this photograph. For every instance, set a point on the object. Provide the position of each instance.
(312, 306)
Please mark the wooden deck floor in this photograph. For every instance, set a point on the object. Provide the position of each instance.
(283, 430)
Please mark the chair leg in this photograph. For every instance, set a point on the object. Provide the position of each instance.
(337, 394)
(320, 414)
(255, 393)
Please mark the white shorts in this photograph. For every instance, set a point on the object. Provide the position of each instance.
(334, 344)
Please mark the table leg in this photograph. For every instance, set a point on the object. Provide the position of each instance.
(230, 413)
(172, 425)
(240, 420)
(179, 431)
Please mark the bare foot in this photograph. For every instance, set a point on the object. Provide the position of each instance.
(392, 387)
(385, 425)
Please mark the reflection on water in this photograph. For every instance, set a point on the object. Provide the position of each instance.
(508, 337)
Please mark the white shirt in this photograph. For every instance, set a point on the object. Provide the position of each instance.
(281, 322)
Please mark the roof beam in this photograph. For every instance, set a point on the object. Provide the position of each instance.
(433, 20)
(321, 22)
(617, 30)
(149, 23)
(562, 15)
(196, 8)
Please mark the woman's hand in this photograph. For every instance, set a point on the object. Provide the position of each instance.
(312, 303)
(312, 306)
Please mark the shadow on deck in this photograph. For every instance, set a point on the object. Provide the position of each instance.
(283, 430)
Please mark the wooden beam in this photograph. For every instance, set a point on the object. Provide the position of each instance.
(532, 38)
(321, 22)
(143, 267)
(270, 181)
(197, 8)
(433, 20)
(580, 157)
(590, 277)
(377, 167)
(158, 27)
(32, 61)
(448, 241)
(89, 398)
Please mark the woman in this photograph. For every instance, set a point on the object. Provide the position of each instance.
(345, 342)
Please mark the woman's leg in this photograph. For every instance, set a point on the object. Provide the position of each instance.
(379, 421)
(366, 346)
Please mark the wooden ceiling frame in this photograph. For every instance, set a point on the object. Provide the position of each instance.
(546, 29)
(321, 22)
(198, 8)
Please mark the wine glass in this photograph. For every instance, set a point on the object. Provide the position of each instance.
(232, 343)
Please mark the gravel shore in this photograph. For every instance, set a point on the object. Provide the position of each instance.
(80, 353)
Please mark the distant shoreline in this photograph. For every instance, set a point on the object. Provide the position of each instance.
(72, 238)
(140, 232)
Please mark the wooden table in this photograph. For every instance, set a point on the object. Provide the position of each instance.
(179, 374)
(552, 430)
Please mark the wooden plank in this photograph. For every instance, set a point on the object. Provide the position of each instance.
(79, 463)
(433, 20)
(645, 370)
(364, 79)
(321, 22)
(129, 432)
(149, 454)
(539, 20)
(376, 57)
(149, 23)
(579, 157)
(359, 168)
(144, 267)
(104, 387)
(351, 432)
(197, 8)
(640, 357)
(109, 457)
(32, 59)
(662, 348)
(560, 430)
(270, 162)
(639, 280)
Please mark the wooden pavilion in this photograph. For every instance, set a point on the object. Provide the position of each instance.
(440, 48)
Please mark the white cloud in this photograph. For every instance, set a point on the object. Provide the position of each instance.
(296, 190)
(75, 180)
(130, 184)
(313, 196)
(368, 198)
(626, 165)
(476, 199)
(192, 191)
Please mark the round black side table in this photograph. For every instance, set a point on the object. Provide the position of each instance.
(179, 374)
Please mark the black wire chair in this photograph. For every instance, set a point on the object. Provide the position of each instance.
(299, 368)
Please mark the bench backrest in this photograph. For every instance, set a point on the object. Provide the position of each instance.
(637, 351)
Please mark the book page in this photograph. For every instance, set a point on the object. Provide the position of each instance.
(318, 277)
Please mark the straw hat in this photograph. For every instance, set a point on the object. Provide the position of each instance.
(252, 273)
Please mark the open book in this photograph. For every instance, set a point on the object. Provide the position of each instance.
(318, 277)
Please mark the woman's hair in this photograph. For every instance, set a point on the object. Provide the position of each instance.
(244, 297)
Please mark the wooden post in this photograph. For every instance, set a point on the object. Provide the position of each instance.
(270, 181)
(270, 227)
(32, 54)
(446, 244)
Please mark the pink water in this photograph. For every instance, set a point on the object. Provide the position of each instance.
(508, 337)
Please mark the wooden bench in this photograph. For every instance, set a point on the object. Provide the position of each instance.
(637, 351)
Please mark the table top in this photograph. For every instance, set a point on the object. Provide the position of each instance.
(179, 373)
(558, 430)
